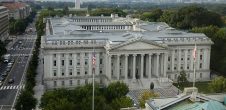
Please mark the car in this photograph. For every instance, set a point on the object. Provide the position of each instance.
(20, 42)
(8, 69)
(4, 74)
(12, 61)
(10, 81)
(9, 65)
(2, 78)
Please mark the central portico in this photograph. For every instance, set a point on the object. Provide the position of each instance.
(137, 59)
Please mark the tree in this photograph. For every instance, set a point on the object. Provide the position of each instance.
(116, 90)
(166, 16)
(26, 101)
(182, 78)
(66, 10)
(218, 85)
(121, 102)
(60, 104)
(2, 48)
(152, 16)
(193, 16)
(146, 95)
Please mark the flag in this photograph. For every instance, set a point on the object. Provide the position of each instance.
(194, 53)
(94, 59)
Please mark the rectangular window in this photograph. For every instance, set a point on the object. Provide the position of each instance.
(54, 72)
(78, 72)
(86, 61)
(200, 57)
(78, 62)
(70, 62)
(78, 82)
(86, 72)
(86, 54)
(200, 75)
(54, 62)
(62, 73)
(70, 82)
(200, 66)
(86, 81)
(62, 83)
(54, 83)
(70, 71)
(62, 62)
(54, 55)
(182, 59)
(101, 61)
(70, 55)
(187, 67)
(100, 71)
(188, 59)
(62, 55)
(168, 58)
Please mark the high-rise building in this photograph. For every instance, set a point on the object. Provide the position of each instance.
(4, 23)
(77, 4)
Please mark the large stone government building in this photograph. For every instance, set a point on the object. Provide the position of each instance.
(129, 50)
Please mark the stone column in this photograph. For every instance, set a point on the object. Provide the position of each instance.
(172, 60)
(165, 64)
(118, 67)
(142, 66)
(192, 60)
(97, 68)
(134, 66)
(150, 65)
(179, 60)
(157, 64)
(109, 67)
(185, 59)
(75, 64)
(126, 66)
(208, 58)
(58, 60)
(66, 62)
(162, 64)
(82, 72)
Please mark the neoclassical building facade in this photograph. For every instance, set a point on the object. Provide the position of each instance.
(126, 49)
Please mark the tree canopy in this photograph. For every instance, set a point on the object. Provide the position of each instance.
(81, 98)
(193, 16)
(218, 85)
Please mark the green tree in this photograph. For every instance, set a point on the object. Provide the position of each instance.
(146, 95)
(60, 104)
(116, 90)
(182, 78)
(193, 16)
(218, 85)
(2, 48)
(121, 102)
(26, 101)
(166, 16)
(152, 16)
(66, 10)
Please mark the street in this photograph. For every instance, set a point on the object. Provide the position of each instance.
(21, 51)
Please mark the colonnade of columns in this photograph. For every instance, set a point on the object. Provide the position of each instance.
(137, 66)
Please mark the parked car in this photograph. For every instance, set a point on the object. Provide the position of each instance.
(8, 69)
(4, 74)
(9, 65)
(2, 78)
(11, 81)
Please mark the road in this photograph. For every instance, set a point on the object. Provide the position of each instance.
(20, 53)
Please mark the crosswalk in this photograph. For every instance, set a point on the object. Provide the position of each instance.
(12, 87)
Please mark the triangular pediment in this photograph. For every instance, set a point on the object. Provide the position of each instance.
(139, 45)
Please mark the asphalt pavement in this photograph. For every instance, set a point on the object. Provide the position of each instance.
(20, 52)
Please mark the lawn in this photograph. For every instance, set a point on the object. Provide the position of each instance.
(202, 86)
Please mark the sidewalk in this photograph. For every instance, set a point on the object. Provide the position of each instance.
(39, 88)
(10, 44)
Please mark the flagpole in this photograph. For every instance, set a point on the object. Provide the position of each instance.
(194, 63)
(93, 72)
(93, 89)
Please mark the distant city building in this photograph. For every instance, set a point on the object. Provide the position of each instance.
(77, 4)
(126, 49)
(4, 23)
(18, 10)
